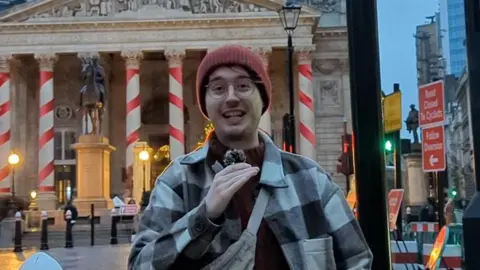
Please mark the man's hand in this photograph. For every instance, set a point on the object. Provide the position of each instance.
(225, 184)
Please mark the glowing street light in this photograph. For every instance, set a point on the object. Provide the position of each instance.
(13, 160)
(144, 156)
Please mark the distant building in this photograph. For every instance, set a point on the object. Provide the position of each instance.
(459, 140)
(430, 62)
(453, 29)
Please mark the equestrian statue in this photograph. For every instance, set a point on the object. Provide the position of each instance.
(92, 94)
(412, 123)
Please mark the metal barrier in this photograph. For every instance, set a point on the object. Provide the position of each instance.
(418, 241)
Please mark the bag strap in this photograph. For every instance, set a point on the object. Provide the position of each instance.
(258, 211)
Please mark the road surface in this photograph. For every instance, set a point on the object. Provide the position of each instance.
(77, 258)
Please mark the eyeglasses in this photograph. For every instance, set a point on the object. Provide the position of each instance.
(218, 89)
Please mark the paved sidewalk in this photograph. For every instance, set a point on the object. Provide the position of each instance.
(77, 258)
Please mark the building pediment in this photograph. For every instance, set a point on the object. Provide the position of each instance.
(105, 10)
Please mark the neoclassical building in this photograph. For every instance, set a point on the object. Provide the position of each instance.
(150, 50)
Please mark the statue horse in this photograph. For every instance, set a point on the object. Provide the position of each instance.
(92, 94)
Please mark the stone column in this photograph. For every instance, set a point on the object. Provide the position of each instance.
(266, 119)
(306, 108)
(175, 97)
(5, 124)
(133, 118)
(416, 188)
(47, 199)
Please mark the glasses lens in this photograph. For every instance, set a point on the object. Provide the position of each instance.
(244, 87)
(217, 89)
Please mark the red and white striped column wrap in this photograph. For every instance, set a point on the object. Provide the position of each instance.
(266, 119)
(133, 114)
(5, 124)
(175, 98)
(306, 110)
(46, 179)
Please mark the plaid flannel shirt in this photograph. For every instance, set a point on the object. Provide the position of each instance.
(305, 204)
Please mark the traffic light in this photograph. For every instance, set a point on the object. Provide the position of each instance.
(345, 160)
(388, 146)
(452, 193)
(388, 143)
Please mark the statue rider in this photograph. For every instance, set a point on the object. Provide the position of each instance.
(99, 75)
(412, 123)
(92, 94)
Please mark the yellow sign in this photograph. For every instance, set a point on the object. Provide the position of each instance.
(392, 112)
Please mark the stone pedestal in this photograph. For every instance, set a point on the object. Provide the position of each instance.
(47, 200)
(416, 188)
(93, 173)
(138, 172)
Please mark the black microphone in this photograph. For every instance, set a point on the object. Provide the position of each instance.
(234, 156)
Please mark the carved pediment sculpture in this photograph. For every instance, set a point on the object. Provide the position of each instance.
(141, 8)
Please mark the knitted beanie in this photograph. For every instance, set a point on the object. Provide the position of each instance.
(229, 55)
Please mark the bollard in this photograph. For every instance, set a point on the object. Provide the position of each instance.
(68, 233)
(18, 233)
(113, 233)
(92, 224)
(44, 236)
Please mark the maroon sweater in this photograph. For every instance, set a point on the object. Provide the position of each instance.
(268, 254)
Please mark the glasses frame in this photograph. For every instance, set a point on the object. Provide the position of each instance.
(237, 93)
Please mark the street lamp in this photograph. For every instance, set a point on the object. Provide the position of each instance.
(33, 202)
(289, 15)
(13, 160)
(144, 156)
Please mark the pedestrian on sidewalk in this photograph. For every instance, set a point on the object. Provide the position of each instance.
(276, 210)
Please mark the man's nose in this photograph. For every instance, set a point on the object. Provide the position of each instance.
(231, 97)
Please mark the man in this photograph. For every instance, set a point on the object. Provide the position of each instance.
(275, 211)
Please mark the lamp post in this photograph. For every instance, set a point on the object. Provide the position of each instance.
(144, 156)
(289, 14)
(13, 160)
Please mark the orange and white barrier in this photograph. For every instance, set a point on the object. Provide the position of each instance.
(424, 227)
(404, 255)
(451, 259)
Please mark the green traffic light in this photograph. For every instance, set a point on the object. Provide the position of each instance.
(388, 146)
(453, 193)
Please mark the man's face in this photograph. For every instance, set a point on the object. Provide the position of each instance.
(233, 103)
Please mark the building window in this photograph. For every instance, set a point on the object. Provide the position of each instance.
(64, 153)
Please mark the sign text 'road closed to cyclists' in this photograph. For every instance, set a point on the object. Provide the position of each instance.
(433, 149)
(431, 104)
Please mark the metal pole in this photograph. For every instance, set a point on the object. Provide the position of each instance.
(398, 170)
(144, 176)
(471, 218)
(12, 199)
(440, 180)
(291, 91)
(369, 164)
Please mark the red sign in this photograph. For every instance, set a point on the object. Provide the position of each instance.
(433, 149)
(395, 198)
(431, 104)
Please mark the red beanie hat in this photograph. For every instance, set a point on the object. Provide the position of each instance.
(233, 55)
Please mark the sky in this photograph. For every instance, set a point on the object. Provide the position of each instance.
(397, 21)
